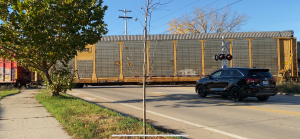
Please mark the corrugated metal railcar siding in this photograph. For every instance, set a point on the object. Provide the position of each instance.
(71, 63)
(133, 58)
(161, 58)
(107, 57)
(7, 71)
(211, 48)
(85, 68)
(240, 53)
(1, 70)
(189, 57)
(13, 70)
(264, 54)
(298, 50)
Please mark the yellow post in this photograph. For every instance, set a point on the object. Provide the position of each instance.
(76, 75)
(35, 76)
(230, 49)
(292, 55)
(121, 77)
(148, 58)
(94, 77)
(278, 53)
(203, 67)
(16, 73)
(250, 52)
(175, 56)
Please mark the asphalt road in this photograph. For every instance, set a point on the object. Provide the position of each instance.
(213, 117)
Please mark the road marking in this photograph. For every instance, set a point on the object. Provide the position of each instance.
(246, 107)
(158, 94)
(169, 117)
(271, 110)
(88, 98)
(74, 93)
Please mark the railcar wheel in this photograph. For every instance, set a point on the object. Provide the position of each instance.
(262, 98)
(236, 94)
(201, 91)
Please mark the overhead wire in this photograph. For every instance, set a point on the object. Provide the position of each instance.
(183, 8)
(117, 25)
(207, 13)
(177, 11)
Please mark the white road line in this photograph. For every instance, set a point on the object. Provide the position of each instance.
(175, 92)
(88, 98)
(74, 93)
(169, 117)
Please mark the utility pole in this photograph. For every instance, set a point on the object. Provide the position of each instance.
(125, 18)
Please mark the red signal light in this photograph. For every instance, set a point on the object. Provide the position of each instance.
(221, 56)
(228, 57)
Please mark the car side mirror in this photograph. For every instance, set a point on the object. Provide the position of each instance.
(209, 77)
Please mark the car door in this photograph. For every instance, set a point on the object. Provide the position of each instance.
(226, 79)
(213, 81)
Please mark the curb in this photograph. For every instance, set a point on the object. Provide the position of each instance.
(287, 94)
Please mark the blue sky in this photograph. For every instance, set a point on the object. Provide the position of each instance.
(266, 15)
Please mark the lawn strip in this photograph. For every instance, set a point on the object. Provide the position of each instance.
(288, 87)
(4, 93)
(86, 120)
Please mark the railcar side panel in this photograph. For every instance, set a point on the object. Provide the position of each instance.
(183, 57)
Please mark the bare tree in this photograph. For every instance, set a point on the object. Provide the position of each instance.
(208, 20)
(150, 7)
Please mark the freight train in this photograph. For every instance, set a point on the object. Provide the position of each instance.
(171, 58)
(13, 74)
(183, 58)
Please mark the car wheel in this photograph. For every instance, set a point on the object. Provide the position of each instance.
(262, 98)
(236, 94)
(201, 91)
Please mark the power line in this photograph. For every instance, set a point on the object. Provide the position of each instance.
(177, 11)
(207, 13)
(181, 9)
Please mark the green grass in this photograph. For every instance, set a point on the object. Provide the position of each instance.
(86, 120)
(288, 87)
(5, 91)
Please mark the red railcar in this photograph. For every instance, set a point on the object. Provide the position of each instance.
(12, 74)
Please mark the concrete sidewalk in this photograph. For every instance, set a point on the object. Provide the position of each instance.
(22, 117)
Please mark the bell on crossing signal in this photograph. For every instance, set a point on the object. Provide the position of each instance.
(221, 56)
(228, 57)
(216, 57)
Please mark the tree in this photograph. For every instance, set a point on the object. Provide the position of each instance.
(38, 34)
(149, 8)
(208, 20)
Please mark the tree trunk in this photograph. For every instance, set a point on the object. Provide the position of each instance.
(47, 75)
(55, 93)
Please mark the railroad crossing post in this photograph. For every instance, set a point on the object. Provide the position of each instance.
(224, 50)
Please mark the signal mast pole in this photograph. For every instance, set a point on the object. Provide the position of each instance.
(224, 50)
(125, 18)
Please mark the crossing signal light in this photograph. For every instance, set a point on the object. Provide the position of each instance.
(228, 57)
(216, 57)
(221, 56)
